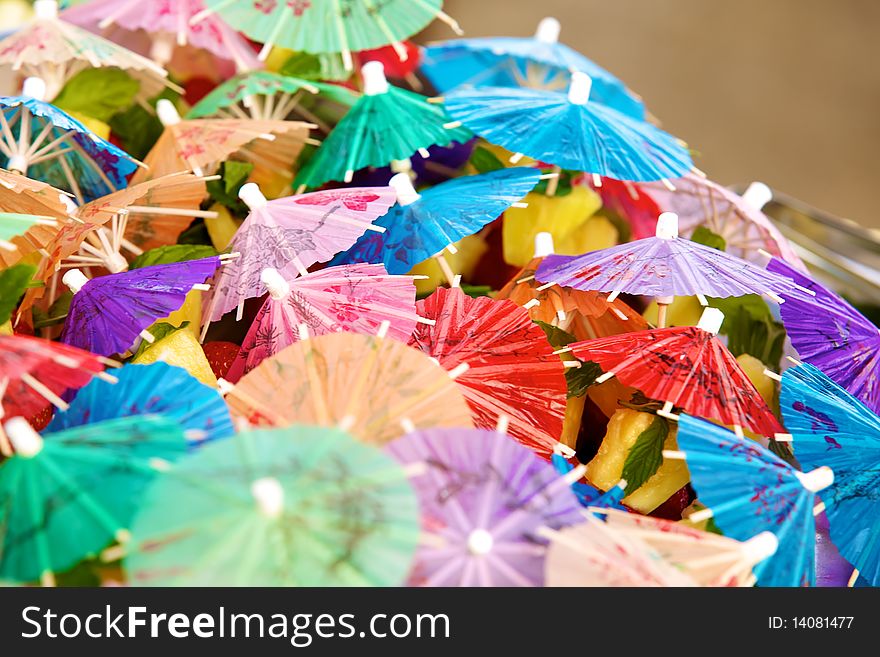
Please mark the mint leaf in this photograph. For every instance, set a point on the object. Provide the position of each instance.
(137, 129)
(99, 93)
(484, 160)
(225, 191)
(158, 331)
(13, 282)
(307, 66)
(563, 185)
(706, 237)
(751, 329)
(646, 455)
(57, 312)
(556, 336)
(581, 378)
(477, 290)
(165, 255)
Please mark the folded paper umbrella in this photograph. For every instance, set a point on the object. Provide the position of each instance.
(594, 554)
(291, 234)
(512, 370)
(200, 145)
(569, 131)
(355, 298)
(55, 50)
(301, 506)
(43, 142)
(168, 24)
(664, 266)
(537, 62)
(686, 367)
(329, 26)
(830, 427)
(748, 490)
(68, 495)
(829, 333)
(737, 219)
(156, 389)
(16, 228)
(376, 387)
(423, 225)
(36, 372)
(266, 96)
(586, 314)
(386, 125)
(710, 559)
(108, 313)
(587, 495)
(483, 499)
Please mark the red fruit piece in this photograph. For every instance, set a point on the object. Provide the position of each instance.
(220, 356)
(41, 419)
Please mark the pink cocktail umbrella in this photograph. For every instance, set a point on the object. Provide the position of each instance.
(291, 234)
(484, 501)
(354, 298)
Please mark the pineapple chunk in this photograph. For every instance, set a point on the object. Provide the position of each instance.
(606, 469)
(754, 369)
(221, 228)
(683, 311)
(190, 311)
(180, 348)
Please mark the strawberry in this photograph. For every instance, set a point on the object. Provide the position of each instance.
(220, 356)
(40, 420)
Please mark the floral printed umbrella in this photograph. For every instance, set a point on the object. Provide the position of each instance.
(512, 370)
(355, 298)
(375, 386)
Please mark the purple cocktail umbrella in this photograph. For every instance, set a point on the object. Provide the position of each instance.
(484, 499)
(664, 266)
(108, 313)
(829, 333)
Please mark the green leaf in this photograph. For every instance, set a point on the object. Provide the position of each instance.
(99, 93)
(563, 185)
(751, 329)
(581, 378)
(137, 129)
(484, 160)
(165, 255)
(706, 237)
(196, 234)
(643, 404)
(57, 312)
(307, 66)
(158, 331)
(13, 282)
(556, 336)
(225, 191)
(477, 290)
(646, 455)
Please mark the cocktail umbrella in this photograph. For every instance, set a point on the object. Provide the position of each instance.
(67, 495)
(588, 495)
(47, 144)
(156, 389)
(738, 219)
(748, 490)
(15, 228)
(200, 145)
(385, 125)
(586, 314)
(291, 234)
(483, 500)
(829, 333)
(537, 62)
(55, 50)
(109, 312)
(377, 387)
(262, 95)
(329, 26)
(168, 24)
(686, 366)
(301, 506)
(830, 427)
(423, 225)
(710, 559)
(355, 298)
(35, 372)
(512, 370)
(569, 131)
(664, 266)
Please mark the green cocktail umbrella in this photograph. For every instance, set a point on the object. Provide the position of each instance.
(70, 495)
(329, 26)
(385, 125)
(299, 506)
(263, 95)
(14, 225)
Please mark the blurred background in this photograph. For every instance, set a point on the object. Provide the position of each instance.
(786, 92)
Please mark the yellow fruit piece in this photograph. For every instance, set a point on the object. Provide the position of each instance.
(98, 127)
(565, 217)
(221, 228)
(6, 329)
(277, 58)
(180, 348)
(607, 395)
(273, 183)
(606, 468)
(683, 311)
(754, 369)
(190, 311)
(503, 156)
(470, 250)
